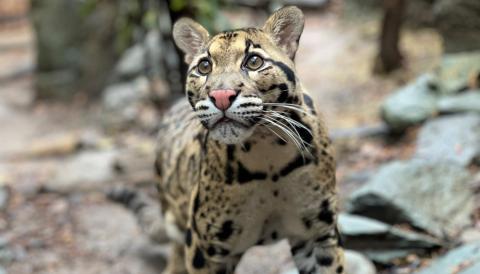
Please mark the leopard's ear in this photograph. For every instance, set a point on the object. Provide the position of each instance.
(285, 26)
(190, 37)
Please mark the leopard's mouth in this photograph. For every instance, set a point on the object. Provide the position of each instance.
(226, 121)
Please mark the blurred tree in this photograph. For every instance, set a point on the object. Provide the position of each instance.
(389, 57)
(80, 41)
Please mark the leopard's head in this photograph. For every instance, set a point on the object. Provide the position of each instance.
(236, 76)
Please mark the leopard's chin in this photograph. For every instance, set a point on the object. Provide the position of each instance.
(230, 132)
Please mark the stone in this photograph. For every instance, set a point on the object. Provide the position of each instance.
(100, 231)
(132, 62)
(462, 260)
(356, 263)
(458, 22)
(85, 171)
(456, 71)
(381, 242)
(463, 102)
(411, 105)
(275, 258)
(431, 196)
(454, 138)
(470, 235)
(123, 102)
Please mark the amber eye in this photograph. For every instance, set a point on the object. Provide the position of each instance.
(204, 67)
(254, 62)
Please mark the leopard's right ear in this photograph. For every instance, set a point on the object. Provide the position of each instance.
(190, 37)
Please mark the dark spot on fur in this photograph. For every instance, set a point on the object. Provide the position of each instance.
(226, 231)
(298, 247)
(339, 269)
(198, 259)
(211, 251)
(245, 176)
(188, 237)
(326, 214)
(246, 146)
(158, 169)
(307, 222)
(275, 177)
(322, 238)
(281, 142)
(325, 260)
(275, 193)
(299, 161)
(221, 271)
(274, 235)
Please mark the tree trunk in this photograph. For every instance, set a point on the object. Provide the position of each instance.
(389, 57)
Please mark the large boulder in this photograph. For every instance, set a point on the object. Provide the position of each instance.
(430, 195)
(381, 242)
(457, 71)
(454, 138)
(462, 260)
(88, 170)
(463, 102)
(410, 105)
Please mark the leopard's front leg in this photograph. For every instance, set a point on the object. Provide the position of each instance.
(213, 235)
(318, 256)
(320, 252)
(205, 257)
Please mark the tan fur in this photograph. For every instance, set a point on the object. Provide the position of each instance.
(254, 189)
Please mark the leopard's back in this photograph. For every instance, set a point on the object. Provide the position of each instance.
(179, 154)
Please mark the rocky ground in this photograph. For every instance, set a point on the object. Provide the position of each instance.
(408, 199)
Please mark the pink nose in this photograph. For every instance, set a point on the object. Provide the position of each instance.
(222, 98)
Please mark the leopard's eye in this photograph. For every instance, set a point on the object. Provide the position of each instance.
(204, 67)
(254, 62)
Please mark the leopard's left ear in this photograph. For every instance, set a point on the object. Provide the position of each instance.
(285, 26)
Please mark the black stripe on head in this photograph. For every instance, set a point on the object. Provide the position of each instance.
(288, 71)
(190, 96)
(283, 93)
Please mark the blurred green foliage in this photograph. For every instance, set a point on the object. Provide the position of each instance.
(206, 12)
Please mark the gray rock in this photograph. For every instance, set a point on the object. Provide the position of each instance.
(453, 138)
(123, 102)
(432, 196)
(119, 96)
(462, 260)
(85, 171)
(456, 70)
(464, 102)
(382, 242)
(356, 263)
(132, 62)
(275, 258)
(410, 105)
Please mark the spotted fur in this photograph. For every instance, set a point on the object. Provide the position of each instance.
(258, 172)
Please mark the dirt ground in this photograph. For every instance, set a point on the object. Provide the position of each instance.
(46, 228)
